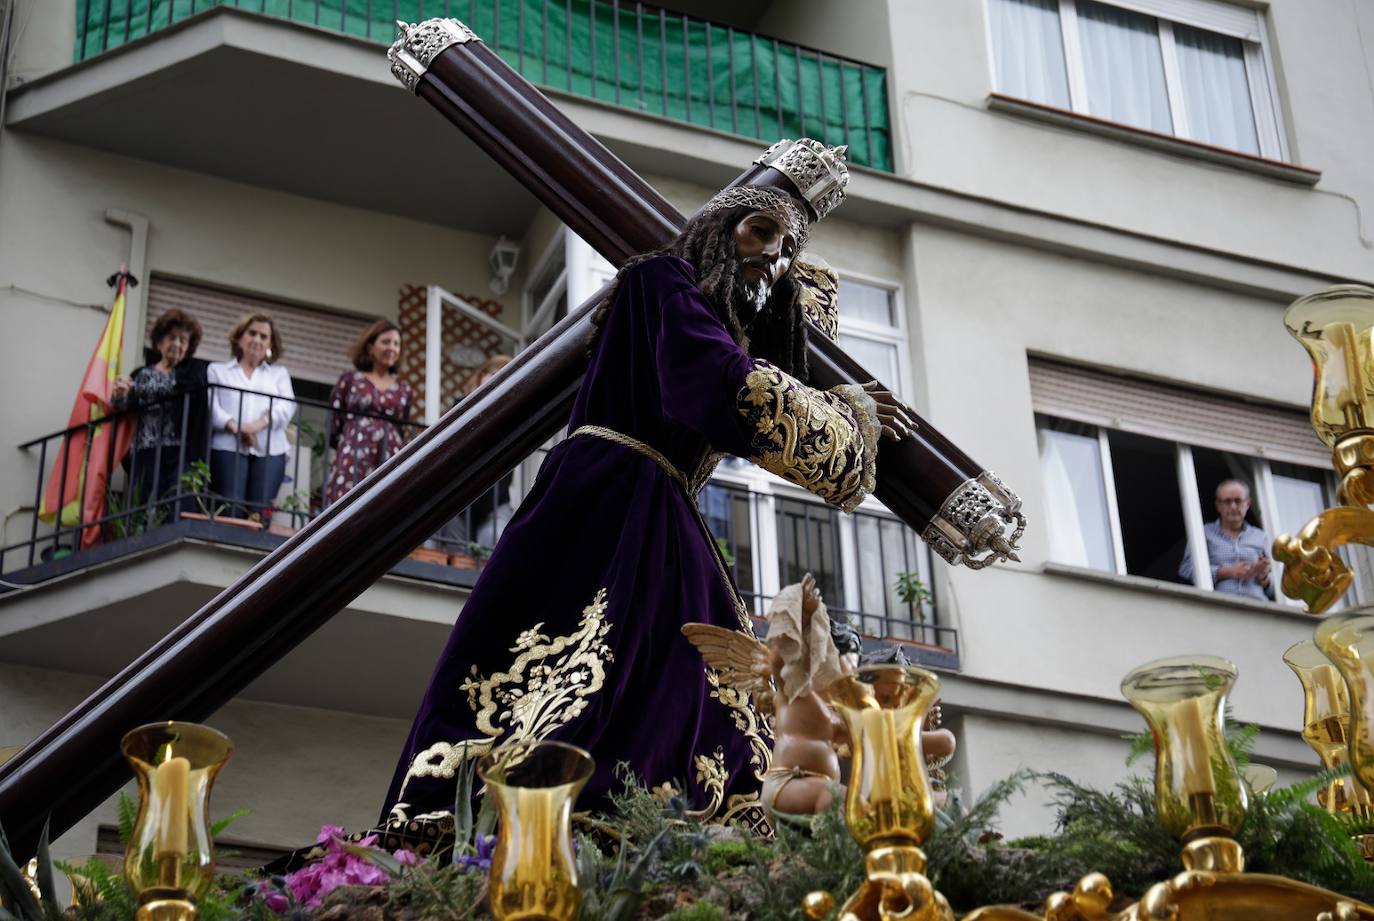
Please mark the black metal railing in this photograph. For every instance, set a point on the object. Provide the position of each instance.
(627, 54)
(171, 472)
(808, 539)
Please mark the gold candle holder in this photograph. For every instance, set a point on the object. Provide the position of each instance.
(1348, 642)
(1336, 327)
(170, 859)
(1202, 801)
(1198, 790)
(888, 805)
(1326, 716)
(533, 870)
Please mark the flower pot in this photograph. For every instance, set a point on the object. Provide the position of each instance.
(283, 530)
(428, 555)
(248, 523)
(463, 561)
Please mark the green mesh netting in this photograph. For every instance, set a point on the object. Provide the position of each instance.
(648, 60)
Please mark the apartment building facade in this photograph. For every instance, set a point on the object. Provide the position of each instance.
(1072, 229)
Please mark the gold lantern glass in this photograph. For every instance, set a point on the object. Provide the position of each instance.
(533, 870)
(1326, 716)
(1198, 791)
(888, 801)
(1334, 326)
(1348, 641)
(170, 858)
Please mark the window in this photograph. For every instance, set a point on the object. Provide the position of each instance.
(872, 330)
(1130, 470)
(1196, 69)
(771, 536)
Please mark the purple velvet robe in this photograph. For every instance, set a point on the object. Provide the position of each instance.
(572, 632)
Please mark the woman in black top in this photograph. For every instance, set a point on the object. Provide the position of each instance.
(170, 396)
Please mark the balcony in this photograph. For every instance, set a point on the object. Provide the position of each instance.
(131, 571)
(678, 67)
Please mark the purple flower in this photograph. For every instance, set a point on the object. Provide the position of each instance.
(486, 846)
(406, 858)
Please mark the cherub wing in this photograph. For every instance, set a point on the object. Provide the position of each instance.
(741, 660)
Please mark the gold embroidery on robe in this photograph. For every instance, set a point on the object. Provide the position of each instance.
(711, 777)
(547, 686)
(825, 441)
(549, 682)
(757, 729)
(818, 291)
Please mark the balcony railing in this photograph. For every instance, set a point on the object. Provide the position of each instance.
(627, 54)
(154, 489)
(161, 488)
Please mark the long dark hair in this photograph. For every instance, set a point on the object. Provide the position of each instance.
(778, 332)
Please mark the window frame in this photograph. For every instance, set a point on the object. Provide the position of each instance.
(1195, 515)
(764, 491)
(894, 335)
(1234, 21)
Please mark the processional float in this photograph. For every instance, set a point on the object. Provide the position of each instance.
(961, 509)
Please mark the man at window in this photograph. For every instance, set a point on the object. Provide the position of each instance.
(1237, 550)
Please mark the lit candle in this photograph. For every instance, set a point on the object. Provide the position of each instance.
(171, 790)
(1192, 749)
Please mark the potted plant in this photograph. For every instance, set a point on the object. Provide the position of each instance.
(475, 558)
(438, 556)
(195, 481)
(915, 594)
(297, 507)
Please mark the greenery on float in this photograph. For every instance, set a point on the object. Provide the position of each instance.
(646, 858)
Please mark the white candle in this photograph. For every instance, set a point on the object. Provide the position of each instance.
(1191, 747)
(171, 791)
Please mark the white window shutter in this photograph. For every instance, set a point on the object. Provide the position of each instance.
(315, 343)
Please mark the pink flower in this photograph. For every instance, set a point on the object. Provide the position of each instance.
(407, 858)
(276, 902)
(329, 832)
(337, 868)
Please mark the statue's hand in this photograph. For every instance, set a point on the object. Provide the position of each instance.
(894, 416)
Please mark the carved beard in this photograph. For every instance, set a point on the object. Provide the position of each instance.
(744, 297)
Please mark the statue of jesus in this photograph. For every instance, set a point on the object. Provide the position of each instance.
(572, 631)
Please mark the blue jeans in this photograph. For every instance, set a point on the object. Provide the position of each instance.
(247, 482)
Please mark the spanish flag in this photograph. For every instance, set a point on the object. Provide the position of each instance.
(80, 472)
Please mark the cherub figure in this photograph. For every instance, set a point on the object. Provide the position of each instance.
(804, 652)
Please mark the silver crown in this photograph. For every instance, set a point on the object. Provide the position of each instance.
(412, 53)
(818, 171)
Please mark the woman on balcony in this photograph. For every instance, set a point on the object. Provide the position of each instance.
(366, 409)
(163, 394)
(251, 402)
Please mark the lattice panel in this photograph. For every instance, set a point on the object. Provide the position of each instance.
(460, 334)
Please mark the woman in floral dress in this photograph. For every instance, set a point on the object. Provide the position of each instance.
(361, 438)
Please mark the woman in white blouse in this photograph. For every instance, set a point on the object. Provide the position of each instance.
(249, 412)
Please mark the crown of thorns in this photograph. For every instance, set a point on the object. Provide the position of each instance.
(774, 203)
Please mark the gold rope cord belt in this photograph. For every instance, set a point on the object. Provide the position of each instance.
(634, 444)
